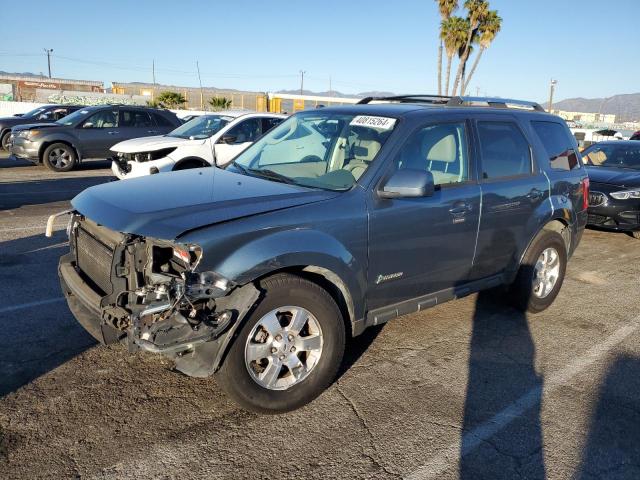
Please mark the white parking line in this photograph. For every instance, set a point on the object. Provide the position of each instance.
(37, 227)
(438, 464)
(37, 303)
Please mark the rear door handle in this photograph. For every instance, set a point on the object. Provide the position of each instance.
(460, 208)
(152, 131)
(113, 133)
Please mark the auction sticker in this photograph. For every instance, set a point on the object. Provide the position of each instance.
(381, 123)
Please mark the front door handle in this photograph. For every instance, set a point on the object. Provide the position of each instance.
(460, 208)
(535, 194)
(152, 131)
(113, 133)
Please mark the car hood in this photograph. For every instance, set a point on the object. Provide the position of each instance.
(8, 121)
(614, 176)
(166, 205)
(39, 126)
(149, 144)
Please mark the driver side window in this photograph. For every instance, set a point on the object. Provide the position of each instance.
(440, 149)
(247, 131)
(102, 119)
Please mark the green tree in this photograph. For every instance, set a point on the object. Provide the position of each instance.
(153, 104)
(477, 11)
(488, 30)
(171, 99)
(446, 8)
(220, 103)
(453, 33)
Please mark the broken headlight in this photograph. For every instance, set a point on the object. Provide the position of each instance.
(146, 156)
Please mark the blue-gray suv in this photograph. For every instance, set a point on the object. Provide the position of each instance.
(336, 220)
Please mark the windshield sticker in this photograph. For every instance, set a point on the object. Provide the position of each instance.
(380, 123)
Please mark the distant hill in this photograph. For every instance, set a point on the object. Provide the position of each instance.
(626, 107)
(335, 93)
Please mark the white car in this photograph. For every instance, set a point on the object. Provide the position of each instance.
(211, 139)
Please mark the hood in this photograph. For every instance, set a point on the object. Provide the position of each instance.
(166, 205)
(39, 126)
(624, 177)
(10, 121)
(149, 144)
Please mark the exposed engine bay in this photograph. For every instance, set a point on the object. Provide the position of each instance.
(151, 292)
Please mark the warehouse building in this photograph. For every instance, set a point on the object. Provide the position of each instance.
(22, 88)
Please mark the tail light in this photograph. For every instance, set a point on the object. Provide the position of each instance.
(584, 186)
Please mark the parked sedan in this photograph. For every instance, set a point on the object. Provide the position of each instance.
(87, 133)
(212, 139)
(43, 114)
(614, 198)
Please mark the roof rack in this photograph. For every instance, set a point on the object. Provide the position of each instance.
(458, 101)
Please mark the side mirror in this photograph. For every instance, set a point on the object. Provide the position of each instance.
(228, 139)
(408, 183)
(87, 125)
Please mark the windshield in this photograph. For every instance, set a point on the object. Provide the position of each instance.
(73, 118)
(317, 149)
(200, 127)
(34, 112)
(621, 156)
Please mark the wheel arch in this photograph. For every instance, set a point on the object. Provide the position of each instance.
(201, 161)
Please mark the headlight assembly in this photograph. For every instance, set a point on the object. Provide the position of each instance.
(27, 133)
(626, 194)
(149, 156)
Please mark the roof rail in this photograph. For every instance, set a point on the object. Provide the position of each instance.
(493, 102)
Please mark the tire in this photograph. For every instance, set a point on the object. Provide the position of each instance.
(188, 165)
(4, 140)
(526, 292)
(635, 234)
(59, 157)
(239, 376)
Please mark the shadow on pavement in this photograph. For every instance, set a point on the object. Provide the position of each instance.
(501, 371)
(36, 192)
(356, 347)
(35, 339)
(612, 448)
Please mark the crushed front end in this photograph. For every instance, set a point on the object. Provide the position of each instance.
(149, 291)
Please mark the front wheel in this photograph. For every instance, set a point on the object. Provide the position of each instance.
(541, 273)
(289, 349)
(59, 157)
(4, 141)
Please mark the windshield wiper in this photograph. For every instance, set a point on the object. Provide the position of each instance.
(270, 174)
(239, 167)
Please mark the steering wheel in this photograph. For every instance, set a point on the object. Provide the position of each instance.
(310, 158)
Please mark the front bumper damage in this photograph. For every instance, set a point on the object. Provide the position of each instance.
(148, 293)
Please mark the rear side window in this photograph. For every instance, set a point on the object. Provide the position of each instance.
(559, 146)
(504, 149)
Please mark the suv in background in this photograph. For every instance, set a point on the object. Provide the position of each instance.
(87, 133)
(257, 273)
(211, 139)
(46, 113)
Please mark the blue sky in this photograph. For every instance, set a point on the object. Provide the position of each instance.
(589, 46)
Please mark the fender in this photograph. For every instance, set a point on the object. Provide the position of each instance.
(310, 250)
(59, 138)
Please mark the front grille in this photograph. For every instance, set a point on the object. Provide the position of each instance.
(596, 219)
(596, 198)
(94, 259)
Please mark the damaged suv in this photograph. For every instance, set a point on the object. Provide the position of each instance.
(336, 220)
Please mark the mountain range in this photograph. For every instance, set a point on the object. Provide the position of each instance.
(626, 107)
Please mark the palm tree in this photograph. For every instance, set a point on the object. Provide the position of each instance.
(171, 99)
(446, 8)
(453, 33)
(220, 103)
(477, 12)
(488, 30)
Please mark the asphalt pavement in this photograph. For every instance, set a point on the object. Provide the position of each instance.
(471, 389)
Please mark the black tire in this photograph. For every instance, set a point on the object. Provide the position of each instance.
(189, 164)
(59, 157)
(279, 291)
(4, 141)
(521, 292)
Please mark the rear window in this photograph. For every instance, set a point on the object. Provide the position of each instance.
(559, 146)
(504, 149)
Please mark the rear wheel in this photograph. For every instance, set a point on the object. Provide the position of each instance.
(4, 140)
(541, 273)
(59, 157)
(289, 349)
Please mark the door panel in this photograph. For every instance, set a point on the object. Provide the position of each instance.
(98, 133)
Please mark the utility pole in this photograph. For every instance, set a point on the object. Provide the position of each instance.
(302, 72)
(552, 87)
(200, 82)
(153, 74)
(330, 90)
(49, 52)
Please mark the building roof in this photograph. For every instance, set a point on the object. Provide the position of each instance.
(38, 78)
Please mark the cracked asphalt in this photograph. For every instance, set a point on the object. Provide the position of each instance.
(470, 389)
